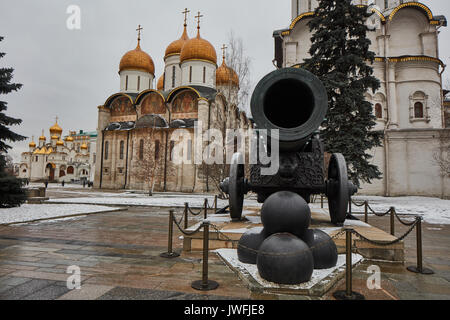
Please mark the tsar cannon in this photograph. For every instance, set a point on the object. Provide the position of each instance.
(291, 105)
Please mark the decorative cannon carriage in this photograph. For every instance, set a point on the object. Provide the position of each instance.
(295, 102)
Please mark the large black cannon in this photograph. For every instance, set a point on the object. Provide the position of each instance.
(295, 102)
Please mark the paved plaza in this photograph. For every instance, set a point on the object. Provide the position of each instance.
(118, 256)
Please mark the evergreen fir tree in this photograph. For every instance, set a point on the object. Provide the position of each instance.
(341, 58)
(11, 192)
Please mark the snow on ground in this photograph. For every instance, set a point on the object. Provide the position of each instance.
(32, 212)
(318, 276)
(56, 185)
(433, 210)
(157, 200)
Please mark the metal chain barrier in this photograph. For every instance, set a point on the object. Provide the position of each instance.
(358, 204)
(402, 221)
(388, 243)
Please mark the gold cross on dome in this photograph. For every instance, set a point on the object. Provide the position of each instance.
(198, 19)
(185, 12)
(139, 32)
(224, 48)
(56, 119)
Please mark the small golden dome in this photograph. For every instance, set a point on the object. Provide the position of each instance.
(59, 143)
(176, 46)
(56, 129)
(137, 60)
(42, 138)
(32, 144)
(69, 139)
(84, 146)
(55, 137)
(160, 85)
(198, 49)
(226, 76)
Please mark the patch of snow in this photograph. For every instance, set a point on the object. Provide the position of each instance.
(31, 212)
(433, 210)
(318, 276)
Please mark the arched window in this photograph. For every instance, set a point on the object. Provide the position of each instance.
(139, 83)
(121, 148)
(141, 149)
(157, 146)
(173, 76)
(106, 150)
(378, 111)
(418, 110)
(70, 170)
(126, 83)
(204, 74)
(172, 146)
(189, 150)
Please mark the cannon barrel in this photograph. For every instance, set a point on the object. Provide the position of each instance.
(292, 100)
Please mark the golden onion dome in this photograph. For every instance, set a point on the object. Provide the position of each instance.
(198, 49)
(56, 129)
(226, 75)
(69, 139)
(32, 144)
(175, 47)
(137, 60)
(42, 138)
(84, 146)
(59, 143)
(54, 137)
(160, 85)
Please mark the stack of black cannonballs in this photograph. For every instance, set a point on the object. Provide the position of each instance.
(285, 250)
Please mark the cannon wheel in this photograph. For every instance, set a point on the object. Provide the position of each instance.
(338, 191)
(236, 186)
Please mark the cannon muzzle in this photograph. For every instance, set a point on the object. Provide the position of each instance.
(292, 100)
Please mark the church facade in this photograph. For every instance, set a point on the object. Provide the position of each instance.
(58, 160)
(409, 105)
(137, 125)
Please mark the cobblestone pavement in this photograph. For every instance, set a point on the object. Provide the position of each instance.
(118, 256)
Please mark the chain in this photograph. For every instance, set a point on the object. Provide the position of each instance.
(382, 243)
(187, 233)
(358, 205)
(403, 221)
(378, 214)
(194, 213)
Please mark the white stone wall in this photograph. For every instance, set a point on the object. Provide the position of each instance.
(146, 81)
(197, 73)
(170, 63)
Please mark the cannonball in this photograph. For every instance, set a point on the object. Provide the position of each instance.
(323, 248)
(285, 259)
(249, 244)
(285, 211)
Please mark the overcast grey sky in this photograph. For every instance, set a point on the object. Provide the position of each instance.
(68, 73)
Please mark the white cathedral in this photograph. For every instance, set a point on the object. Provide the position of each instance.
(409, 105)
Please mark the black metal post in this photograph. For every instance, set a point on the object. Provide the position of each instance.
(215, 203)
(186, 215)
(366, 213)
(205, 284)
(348, 293)
(206, 208)
(392, 212)
(419, 268)
(170, 254)
(321, 201)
